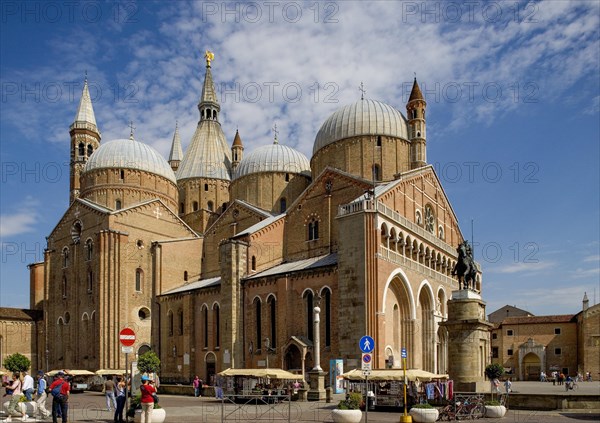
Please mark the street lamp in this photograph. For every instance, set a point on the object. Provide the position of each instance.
(47, 355)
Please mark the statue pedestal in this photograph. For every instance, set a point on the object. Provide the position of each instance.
(316, 380)
(468, 341)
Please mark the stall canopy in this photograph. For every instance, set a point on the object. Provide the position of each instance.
(394, 374)
(109, 372)
(72, 372)
(264, 373)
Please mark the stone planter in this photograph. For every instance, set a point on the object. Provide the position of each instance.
(346, 416)
(425, 415)
(495, 411)
(158, 416)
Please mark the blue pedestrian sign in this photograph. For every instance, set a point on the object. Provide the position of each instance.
(366, 344)
(403, 353)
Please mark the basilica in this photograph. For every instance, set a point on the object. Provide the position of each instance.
(217, 257)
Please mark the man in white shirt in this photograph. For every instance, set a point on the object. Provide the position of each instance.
(28, 387)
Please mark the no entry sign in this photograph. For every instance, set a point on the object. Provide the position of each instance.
(127, 337)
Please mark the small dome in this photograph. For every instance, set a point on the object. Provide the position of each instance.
(365, 117)
(129, 154)
(274, 158)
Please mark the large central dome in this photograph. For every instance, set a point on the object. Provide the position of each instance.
(365, 117)
(130, 154)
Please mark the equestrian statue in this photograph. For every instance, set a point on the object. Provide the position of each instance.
(465, 268)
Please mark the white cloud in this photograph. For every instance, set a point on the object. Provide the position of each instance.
(18, 223)
(523, 267)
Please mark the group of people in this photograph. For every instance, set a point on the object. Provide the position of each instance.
(22, 385)
(115, 397)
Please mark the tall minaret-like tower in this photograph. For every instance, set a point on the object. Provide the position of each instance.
(417, 133)
(237, 151)
(85, 139)
(176, 153)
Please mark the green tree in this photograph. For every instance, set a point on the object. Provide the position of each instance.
(148, 362)
(494, 371)
(17, 363)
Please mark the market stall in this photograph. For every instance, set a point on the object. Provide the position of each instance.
(272, 384)
(386, 386)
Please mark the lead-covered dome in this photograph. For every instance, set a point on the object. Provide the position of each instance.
(365, 117)
(273, 158)
(129, 154)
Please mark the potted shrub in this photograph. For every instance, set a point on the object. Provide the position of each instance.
(493, 373)
(348, 411)
(494, 409)
(424, 413)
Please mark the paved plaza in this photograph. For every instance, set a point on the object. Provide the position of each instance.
(91, 407)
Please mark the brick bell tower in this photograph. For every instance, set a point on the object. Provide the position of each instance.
(85, 139)
(417, 131)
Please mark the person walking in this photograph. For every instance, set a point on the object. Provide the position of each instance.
(40, 397)
(508, 385)
(109, 392)
(60, 390)
(120, 397)
(28, 386)
(147, 400)
(16, 387)
(196, 385)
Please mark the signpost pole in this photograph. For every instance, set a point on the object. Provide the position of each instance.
(367, 397)
(405, 418)
(126, 381)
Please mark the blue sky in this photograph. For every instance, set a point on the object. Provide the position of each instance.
(513, 110)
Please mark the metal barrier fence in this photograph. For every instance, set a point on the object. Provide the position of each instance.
(257, 408)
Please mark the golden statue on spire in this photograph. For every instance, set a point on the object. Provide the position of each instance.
(209, 56)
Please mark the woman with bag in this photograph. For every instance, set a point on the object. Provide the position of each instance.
(148, 393)
(17, 387)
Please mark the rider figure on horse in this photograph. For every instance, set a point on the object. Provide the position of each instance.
(465, 267)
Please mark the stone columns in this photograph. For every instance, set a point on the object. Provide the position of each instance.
(316, 376)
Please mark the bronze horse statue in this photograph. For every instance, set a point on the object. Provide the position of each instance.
(465, 268)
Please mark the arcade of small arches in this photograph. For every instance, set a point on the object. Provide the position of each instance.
(412, 248)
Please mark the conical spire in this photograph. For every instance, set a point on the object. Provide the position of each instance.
(85, 111)
(209, 103)
(176, 153)
(237, 140)
(416, 93)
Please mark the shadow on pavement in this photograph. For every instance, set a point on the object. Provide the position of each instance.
(582, 416)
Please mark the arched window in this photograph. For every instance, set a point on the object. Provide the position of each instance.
(122, 174)
(210, 206)
(89, 249)
(90, 150)
(258, 332)
(205, 318)
(185, 276)
(217, 323)
(139, 279)
(378, 140)
(181, 208)
(313, 230)
(90, 281)
(253, 265)
(205, 187)
(282, 205)
(64, 287)
(376, 173)
(118, 205)
(65, 256)
(81, 149)
(273, 321)
(327, 296)
(287, 177)
(308, 298)
(195, 206)
(180, 321)
(170, 319)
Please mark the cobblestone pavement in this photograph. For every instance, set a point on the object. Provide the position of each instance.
(90, 407)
